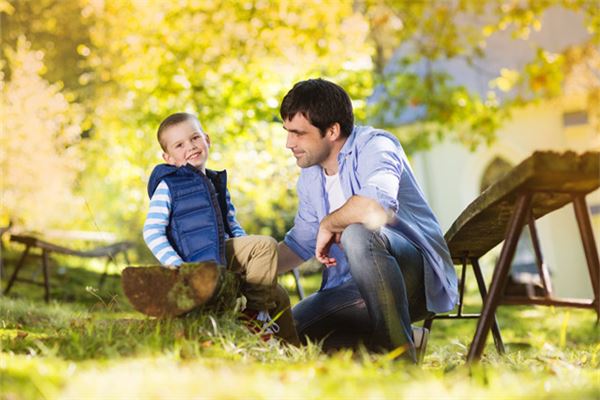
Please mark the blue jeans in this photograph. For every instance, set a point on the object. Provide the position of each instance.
(377, 305)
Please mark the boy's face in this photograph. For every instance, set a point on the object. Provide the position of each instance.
(185, 143)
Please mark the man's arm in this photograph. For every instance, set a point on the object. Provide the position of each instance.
(379, 169)
(357, 210)
(287, 259)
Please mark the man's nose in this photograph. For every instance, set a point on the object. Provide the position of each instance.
(289, 143)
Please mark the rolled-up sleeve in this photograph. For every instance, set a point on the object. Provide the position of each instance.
(379, 171)
(302, 237)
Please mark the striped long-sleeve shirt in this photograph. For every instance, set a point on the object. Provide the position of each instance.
(155, 227)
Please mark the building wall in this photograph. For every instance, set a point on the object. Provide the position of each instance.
(451, 175)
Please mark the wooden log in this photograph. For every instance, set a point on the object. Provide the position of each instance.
(160, 291)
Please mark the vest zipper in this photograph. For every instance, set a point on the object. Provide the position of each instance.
(215, 203)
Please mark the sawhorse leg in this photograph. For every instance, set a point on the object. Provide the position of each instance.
(499, 277)
(482, 291)
(299, 288)
(46, 267)
(111, 258)
(17, 269)
(105, 273)
(589, 247)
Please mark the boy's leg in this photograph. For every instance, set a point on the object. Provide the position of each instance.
(254, 257)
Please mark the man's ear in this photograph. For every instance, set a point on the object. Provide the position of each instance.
(334, 131)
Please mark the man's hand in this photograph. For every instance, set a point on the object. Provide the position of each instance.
(325, 239)
(357, 210)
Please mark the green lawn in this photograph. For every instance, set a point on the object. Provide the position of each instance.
(89, 343)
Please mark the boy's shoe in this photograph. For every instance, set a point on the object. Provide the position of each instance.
(260, 323)
(420, 338)
(160, 291)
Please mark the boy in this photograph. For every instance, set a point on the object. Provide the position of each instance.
(192, 219)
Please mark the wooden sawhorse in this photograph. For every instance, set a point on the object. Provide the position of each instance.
(544, 182)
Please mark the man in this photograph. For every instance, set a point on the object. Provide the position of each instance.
(363, 215)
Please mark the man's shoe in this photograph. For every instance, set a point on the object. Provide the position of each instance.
(160, 291)
(420, 338)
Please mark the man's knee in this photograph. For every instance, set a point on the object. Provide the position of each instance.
(354, 234)
(264, 246)
(267, 242)
(356, 239)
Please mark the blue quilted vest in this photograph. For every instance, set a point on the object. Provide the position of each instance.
(198, 220)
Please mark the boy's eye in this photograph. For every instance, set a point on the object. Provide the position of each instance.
(178, 145)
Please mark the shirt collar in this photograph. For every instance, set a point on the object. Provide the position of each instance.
(348, 147)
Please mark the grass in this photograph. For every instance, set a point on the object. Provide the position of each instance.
(89, 343)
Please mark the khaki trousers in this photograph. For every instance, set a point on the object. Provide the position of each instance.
(283, 314)
(254, 259)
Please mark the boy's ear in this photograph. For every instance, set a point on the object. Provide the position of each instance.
(207, 139)
(167, 158)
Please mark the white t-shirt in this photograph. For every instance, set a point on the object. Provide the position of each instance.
(335, 195)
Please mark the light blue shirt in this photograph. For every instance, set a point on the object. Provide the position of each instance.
(373, 164)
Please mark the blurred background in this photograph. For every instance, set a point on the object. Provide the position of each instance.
(470, 87)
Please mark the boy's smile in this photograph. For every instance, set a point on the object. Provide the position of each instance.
(186, 143)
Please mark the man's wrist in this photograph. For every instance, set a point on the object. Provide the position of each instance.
(326, 223)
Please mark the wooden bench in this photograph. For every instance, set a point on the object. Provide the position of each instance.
(544, 182)
(109, 252)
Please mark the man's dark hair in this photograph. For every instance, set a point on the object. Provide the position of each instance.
(322, 103)
(172, 120)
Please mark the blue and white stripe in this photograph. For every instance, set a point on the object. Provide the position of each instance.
(155, 227)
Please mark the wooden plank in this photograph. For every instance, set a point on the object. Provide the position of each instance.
(92, 236)
(554, 177)
(104, 251)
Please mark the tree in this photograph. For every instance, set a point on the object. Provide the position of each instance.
(228, 62)
(39, 158)
(129, 64)
(421, 102)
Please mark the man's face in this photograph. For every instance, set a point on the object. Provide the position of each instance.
(305, 142)
(185, 143)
